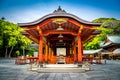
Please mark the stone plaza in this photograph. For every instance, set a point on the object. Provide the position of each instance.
(10, 71)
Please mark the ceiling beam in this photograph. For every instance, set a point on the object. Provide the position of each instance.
(45, 23)
(60, 38)
(47, 33)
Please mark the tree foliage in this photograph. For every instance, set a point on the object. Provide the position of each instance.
(109, 26)
(102, 20)
(9, 32)
(10, 36)
(25, 42)
(114, 25)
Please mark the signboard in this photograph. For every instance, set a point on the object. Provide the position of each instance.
(61, 51)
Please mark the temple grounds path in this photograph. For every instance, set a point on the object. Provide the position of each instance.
(10, 71)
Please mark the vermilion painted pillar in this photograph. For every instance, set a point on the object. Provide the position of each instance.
(75, 57)
(40, 56)
(46, 54)
(71, 52)
(52, 53)
(68, 50)
(80, 49)
(52, 56)
(49, 53)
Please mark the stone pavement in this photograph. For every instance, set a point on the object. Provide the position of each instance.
(10, 71)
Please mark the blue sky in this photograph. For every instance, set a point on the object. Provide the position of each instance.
(21, 11)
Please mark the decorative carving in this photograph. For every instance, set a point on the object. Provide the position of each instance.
(59, 10)
(59, 20)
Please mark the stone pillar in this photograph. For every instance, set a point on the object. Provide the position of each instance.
(80, 49)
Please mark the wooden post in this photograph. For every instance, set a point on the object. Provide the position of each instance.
(46, 54)
(68, 50)
(52, 53)
(49, 53)
(52, 56)
(75, 57)
(80, 50)
(40, 56)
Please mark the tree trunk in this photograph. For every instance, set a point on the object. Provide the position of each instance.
(6, 53)
(11, 51)
(23, 52)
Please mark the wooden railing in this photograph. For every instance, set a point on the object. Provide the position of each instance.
(24, 60)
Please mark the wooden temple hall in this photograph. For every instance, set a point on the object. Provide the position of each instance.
(60, 36)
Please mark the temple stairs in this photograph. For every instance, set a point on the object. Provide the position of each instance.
(60, 67)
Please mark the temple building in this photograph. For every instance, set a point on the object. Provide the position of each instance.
(111, 47)
(60, 36)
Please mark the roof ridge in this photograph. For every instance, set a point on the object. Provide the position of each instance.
(59, 10)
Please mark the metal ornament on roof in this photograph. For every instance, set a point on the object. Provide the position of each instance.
(59, 20)
(60, 28)
(60, 36)
(60, 40)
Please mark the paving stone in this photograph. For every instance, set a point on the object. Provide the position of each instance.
(98, 78)
(52, 75)
(10, 71)
(50, 78)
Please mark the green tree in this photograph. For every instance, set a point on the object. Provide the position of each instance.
(25, 42)
(109, 26)
(102, 20)
(113, 24)
(10, 36)
(1, 34)
(30, 50)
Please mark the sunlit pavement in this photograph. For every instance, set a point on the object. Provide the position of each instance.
(10, 71)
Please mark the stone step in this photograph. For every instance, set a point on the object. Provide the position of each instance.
(74, 70)
(60, 65)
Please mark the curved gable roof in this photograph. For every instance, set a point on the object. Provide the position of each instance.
(59, 13)
(114, 38)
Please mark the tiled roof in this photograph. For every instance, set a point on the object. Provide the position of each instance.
(91, 51)
(116, 51)
(114, 38)
(58, 13)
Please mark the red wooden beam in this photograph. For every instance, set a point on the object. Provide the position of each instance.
(74, 22)
(60, 38)
(46, 33)
(79, 24)
(32, 34)
(45, 23)
(29, 28)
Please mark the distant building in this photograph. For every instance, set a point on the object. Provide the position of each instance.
(111, 47)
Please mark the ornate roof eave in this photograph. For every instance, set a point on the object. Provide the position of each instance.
(114, 38)
(58, 13)
(92, 51)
